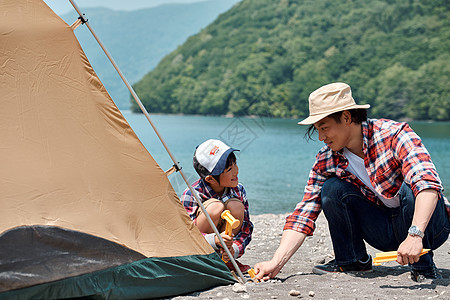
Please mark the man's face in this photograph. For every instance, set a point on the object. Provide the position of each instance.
(335, 135)
(229, 177)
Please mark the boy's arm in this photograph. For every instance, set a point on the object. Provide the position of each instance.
(243, 238)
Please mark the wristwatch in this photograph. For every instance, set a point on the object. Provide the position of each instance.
(415, 231)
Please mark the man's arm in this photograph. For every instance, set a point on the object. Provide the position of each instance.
(291, 240)
(409, 250)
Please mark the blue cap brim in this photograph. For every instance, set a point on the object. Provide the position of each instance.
(220, 166)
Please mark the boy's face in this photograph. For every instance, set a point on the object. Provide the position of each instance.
(229, 176)
(335, 135)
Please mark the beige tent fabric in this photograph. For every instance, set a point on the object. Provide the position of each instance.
(68, 157)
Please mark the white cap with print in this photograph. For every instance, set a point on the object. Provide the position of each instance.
(212, 154)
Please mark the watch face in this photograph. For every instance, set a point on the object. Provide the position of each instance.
(414, 230)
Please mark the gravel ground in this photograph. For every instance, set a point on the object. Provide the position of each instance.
(388, 281)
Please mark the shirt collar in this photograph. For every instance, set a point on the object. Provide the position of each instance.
(365, 132)
(211, 193)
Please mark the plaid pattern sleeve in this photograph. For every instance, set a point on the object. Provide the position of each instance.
(395, 154)
(418, 169)
(243, 238)
(188, 199)
(306, 212)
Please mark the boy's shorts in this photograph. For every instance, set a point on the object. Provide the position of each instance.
(213, 200)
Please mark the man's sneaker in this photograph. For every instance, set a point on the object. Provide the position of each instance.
(242, 267)
(421, 275)
(333, 267)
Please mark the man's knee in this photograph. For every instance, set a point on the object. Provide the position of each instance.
(331, 190)
(406, 194)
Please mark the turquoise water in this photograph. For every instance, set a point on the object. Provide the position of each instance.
(274, 160)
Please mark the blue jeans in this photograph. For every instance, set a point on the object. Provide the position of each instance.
(353, 219)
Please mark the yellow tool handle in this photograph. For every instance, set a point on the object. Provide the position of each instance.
(228, 229)
(252, 274)
(390, 256)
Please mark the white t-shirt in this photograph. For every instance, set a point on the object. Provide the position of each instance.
(357, 168)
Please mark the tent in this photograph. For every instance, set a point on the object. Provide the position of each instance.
(85, 211)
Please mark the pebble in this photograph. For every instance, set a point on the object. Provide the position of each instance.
(294, 293)
(311, 293)
(239, 288)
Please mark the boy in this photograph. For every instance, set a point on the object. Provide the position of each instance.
(219, 189)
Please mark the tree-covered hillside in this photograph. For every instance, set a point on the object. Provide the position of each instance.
(138, 40)
(264, 57)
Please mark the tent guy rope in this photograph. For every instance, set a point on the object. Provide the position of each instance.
(144, 111)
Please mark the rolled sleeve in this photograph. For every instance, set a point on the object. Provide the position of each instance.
(306, 212)
(417, 167)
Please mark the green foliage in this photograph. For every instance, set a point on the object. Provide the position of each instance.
(264, 57)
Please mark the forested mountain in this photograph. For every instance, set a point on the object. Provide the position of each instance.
(264, 57)
(138, 40)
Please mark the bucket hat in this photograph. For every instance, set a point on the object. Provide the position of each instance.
(329, 99)
(213, 154)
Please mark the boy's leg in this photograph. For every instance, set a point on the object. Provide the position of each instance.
(236, 208)
(214, 208)
(352, 218)
(437, 230)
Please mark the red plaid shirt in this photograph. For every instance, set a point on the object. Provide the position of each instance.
(205, 192)
(393, 154)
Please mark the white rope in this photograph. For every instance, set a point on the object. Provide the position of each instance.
(144, 111)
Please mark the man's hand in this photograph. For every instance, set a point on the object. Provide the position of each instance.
(266, 270)
(290, 241)
(409, 250)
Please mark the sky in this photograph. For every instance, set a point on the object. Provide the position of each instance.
(63, 6)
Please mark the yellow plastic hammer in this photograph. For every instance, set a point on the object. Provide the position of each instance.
(232, 223)
(390, 256)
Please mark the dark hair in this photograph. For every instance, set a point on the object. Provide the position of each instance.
(358, 115)
(203, 172)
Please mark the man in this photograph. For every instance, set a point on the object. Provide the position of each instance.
(375, 182)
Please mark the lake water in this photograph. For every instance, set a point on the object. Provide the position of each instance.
(274, 160)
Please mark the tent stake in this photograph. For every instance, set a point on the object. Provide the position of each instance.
(144, 111)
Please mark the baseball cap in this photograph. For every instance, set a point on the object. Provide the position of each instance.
(212, 155)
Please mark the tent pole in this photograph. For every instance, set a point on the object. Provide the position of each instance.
(144, 110)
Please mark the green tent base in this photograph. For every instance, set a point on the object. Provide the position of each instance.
(147, 278)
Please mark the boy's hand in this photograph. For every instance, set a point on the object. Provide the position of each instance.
(228, 242)
(225, 255)
(226, 238)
